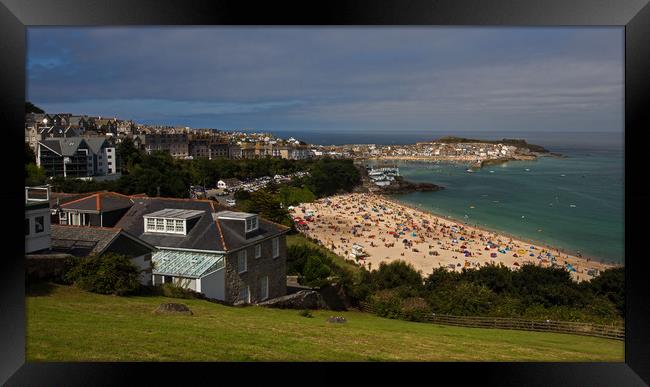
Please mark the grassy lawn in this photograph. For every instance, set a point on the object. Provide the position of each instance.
(66, 324)
(299, 239)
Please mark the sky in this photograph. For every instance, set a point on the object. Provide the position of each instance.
(358, 79)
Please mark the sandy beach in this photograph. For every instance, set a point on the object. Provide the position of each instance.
(380, 230)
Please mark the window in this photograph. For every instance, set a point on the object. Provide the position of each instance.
(160, 224)
(63, 217)
(251, 224)
(258, 250)
(244, 294)
(150, 224)
(39, 224)
(241, 261)
(264, 288)
(276, 247)
(168, 279)
(109, 157)
(180, 226)
(26, 226)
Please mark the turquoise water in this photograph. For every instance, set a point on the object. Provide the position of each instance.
(580, 211)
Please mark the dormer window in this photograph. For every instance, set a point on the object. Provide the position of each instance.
(251, 224)
(170, 221)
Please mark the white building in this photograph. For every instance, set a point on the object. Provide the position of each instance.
(38, 230)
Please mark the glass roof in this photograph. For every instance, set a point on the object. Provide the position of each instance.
(189, 264)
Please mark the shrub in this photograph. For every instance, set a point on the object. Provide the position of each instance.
(177, 291)
(387, 303)
(396, 274)
(306, 313)
(611, 283)
(415, 309)
(105, 274)
(465, 299)
(315, 272)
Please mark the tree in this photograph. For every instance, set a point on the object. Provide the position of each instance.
(396, 274)
(34, 175)
(30, 156)
(31, 108)
(611, 284)
(267, 206)
(105, 274)
(315, 272)
(128, 155)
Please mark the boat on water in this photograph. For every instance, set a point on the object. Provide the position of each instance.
(572, 205)
(469, 171)
(527, 170)
(491, 171)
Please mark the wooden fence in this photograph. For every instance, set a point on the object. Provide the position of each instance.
(575, 328)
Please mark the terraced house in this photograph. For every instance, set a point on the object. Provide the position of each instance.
(226, 255)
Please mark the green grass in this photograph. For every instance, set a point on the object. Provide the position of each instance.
(299, 239)
(67, 324)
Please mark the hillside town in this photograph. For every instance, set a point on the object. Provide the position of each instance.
(82, 146)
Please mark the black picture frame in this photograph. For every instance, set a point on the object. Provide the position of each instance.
(15, 15)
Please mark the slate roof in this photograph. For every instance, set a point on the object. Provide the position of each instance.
(84, 240)
(64, 146)
(100, 202)
(234, 240)
(203, 235)
(95, 143)
(208, 233)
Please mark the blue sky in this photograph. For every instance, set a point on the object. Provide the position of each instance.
(358, 79)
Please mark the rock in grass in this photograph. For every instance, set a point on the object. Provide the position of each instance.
(172, 308)
(337, 320)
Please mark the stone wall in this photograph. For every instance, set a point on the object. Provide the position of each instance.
(257, 268)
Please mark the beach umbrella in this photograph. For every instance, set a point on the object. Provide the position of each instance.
(515, 264)
(531, 254)
(414, 234)
(405, 240)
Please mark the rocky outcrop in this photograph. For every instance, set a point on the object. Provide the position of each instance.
(304, 299)
(172, 308)
(401, 186)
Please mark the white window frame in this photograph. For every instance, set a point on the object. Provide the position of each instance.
(241, 255)
(36, 223)
(248, 294)
(63, 217)
(150, 224)
(264, 287)
(275, 244)
(168, 225)
(254, 224)
(181, 223)
(258, 250)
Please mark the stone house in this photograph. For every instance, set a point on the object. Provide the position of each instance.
(229, 256)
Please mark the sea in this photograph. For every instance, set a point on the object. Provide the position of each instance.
(574, 203)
